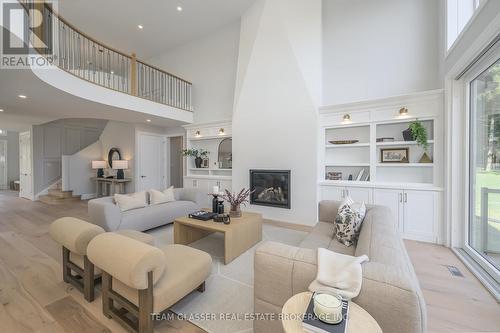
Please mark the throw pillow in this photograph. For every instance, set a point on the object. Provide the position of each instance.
(157, 197)
(347, 201)
(348, 224)
(131, 201)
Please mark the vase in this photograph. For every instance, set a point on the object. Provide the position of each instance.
(408, 135)
(198, 161)
(235, 211)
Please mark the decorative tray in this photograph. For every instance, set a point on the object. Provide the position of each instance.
(343, 142)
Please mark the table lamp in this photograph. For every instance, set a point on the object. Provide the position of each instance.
(99, 165)
(120, 165)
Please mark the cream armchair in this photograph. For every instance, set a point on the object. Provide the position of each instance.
(143, 280)
(74, 235)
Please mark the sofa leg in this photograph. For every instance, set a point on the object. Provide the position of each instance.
(201, 288)
(88, 279)
(146, 307)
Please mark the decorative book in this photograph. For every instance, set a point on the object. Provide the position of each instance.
(311, 323)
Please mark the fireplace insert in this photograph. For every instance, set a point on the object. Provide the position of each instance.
(271, 188)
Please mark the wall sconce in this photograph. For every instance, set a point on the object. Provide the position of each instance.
(403, 112)
(221, 131)
(347, 119)
(197, 134)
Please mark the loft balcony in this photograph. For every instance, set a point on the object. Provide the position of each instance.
(147, 89)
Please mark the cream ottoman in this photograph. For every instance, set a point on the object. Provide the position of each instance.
(143, 279)
(74, 236)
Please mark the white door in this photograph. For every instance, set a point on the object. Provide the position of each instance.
(359, 194)
(393, 199)
(3, 165)
(332, 193)
(151, 162)
(419, 215)
(25, 172)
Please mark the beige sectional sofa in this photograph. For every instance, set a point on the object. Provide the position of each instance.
(390, 291)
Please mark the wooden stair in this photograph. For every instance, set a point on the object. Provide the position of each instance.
(57, 197)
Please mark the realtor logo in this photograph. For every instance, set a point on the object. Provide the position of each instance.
(28, 34)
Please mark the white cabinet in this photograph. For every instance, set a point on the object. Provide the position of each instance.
(393, 200)
(338, 193)
(420, 215)
(416, 212)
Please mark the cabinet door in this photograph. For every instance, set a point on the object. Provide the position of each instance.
(420, 215)
(393, 199)
(332, 193)
(359, 194)
(190, 183)
(225, 185)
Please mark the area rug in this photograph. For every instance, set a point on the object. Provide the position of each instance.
(229, 289)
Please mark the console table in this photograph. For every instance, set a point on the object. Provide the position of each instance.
(102, 185)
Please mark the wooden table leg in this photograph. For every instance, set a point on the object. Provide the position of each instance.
(185, 235)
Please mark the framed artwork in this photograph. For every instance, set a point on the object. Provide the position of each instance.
(395, 155)
(205, 163)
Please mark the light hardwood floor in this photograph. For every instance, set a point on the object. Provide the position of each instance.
(33, 297)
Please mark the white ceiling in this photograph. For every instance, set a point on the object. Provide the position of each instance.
(46, 103)
(115, 22)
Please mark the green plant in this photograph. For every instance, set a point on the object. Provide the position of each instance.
(195, 152)
(419, 134)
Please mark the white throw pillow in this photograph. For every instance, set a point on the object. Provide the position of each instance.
(348, 222)
(157, 197)
(131, 201)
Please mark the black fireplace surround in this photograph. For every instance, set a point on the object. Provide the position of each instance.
(272, 188)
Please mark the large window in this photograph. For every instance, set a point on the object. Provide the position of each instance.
(484, 165)
(459, 12)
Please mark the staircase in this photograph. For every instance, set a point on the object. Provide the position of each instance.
(57, 196)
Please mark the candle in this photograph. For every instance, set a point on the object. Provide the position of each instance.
(215, 190)
(328, 308)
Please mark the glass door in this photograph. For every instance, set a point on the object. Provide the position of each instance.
(484, 166)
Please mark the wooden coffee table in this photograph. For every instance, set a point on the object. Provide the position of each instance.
(360, 321)
(243, 233)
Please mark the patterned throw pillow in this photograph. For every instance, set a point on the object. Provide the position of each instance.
(348, 224)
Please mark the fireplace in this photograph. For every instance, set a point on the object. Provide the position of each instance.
(271, 188)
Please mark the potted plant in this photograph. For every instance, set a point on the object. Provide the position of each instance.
(236, 200)
(417, 132)
(198, 155)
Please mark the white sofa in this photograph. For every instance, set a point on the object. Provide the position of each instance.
(105, 213)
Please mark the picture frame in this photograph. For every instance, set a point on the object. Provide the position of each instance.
(395, 155)
(205, 163)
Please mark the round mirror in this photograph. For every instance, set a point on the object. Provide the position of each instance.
(113, 155)
(225, 157)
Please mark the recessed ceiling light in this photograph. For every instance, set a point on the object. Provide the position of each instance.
(179, 8)
(22, 96)
(148, 120)
(1, 110)
(112, 72)
(140, 26)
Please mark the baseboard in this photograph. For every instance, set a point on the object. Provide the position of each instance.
(88, 196)
(288, 225)
(488, 282)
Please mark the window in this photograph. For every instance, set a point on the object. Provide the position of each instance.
(459, 12)
(484, 165)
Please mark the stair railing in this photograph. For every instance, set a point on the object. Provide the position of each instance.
(85, 57)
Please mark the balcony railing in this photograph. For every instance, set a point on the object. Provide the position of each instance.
(93, 61)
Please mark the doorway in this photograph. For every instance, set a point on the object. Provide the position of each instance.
(3, 165)
(150, 162)
(176, 144)
(25, 174)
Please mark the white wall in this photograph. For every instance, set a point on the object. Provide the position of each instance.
(122, 136)
(210, 64)
(275, 118)
(380, 48)
(79, 170)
